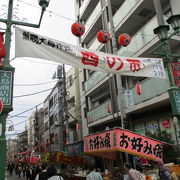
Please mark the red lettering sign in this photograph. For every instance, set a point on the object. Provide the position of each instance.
(112, 61)
(135, 65)
(123, 140)
(90, 58)
(166, 123)
(176, 73)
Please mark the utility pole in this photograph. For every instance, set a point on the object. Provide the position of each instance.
(6, 78)
(118, 77)
(60, 99)
(65, 104)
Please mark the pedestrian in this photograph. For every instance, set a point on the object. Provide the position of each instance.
(94, 175)
(52, 173)
(132, 174)
(164, 172)
(30, 173)
(43, 174)
(19, 171)
(10, 168)
(24, 170)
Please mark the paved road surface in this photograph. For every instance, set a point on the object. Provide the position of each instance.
(14, 177)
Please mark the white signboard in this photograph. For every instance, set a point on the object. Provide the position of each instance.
(129, 99)
(0, 129)
(29, 44)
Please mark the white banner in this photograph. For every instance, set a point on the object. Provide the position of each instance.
(29, 44)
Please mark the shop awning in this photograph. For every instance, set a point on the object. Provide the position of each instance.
(62, 157)
(123, 140)
(75, 149)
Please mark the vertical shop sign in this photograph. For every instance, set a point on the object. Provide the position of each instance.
(174, 94)
(5, 87)
(176, 73)
(125, 141)
(129, 99)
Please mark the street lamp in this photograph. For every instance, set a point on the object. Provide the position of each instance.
(174, 21)
(7, 75)
(162, 32)
(163, 50)
(44, 3)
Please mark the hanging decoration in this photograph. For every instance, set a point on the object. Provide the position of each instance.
(138, 88)
(1, 106)
(124, 39)
(103, 36)
(77, 29)
(2, 48)
(78, 126)
(109, 108)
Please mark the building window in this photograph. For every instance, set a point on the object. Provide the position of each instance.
(69, 81)
(45, 112)
(46, 126)
(51, 120)
(51, 103)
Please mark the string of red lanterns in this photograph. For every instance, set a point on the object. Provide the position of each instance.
(2, 49)
(1, 106)
(103, 36)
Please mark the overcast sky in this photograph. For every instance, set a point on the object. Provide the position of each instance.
(56, 24)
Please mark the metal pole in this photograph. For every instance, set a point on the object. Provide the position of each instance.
(7, 69)
(159, 12)
(65, 103)
(3, 146)
(118, 77)
(61, 119)
(3, 116)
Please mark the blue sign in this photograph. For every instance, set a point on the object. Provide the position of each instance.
(75, 149)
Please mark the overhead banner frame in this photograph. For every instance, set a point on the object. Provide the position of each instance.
(29, 44)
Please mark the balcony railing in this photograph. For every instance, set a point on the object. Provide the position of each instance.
(95, 14)
(157, 86)
(124, 10)
(141, 38)
(83, 6)
(99, 112)
(95, 79)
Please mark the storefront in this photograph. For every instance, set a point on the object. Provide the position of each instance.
(108, 143)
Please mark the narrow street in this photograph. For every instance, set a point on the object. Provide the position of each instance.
(15, 177)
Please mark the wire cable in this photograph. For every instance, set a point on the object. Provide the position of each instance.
(35, 84)
(32, 93)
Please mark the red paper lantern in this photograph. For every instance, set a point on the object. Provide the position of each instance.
(103, 37)
(78, 29)
(2, 47)
(77, 126)
(124, 39)
(1, 106)
(109, 108)
(138, 89)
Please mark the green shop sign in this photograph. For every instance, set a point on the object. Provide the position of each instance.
(6, 80)
(174, 94)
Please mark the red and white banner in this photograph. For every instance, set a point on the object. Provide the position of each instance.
(29, 44)
(123, 140)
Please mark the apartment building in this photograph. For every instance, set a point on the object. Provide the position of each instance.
(62, 113)
(148, 112)
(73, 105)
(31, 132)
(53, 121)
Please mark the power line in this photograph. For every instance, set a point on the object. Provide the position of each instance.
(25, 111)
(36, 61)
(32, 93)
(34, 84)
(70, 19)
